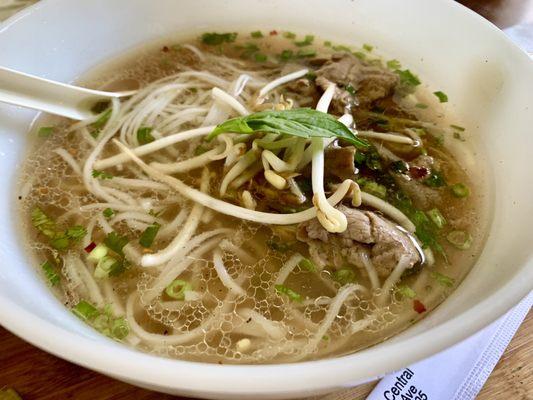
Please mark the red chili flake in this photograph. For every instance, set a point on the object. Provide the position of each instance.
(90, 247)
(418, 172)
(165, 49)
(418, 306)
(273, 33)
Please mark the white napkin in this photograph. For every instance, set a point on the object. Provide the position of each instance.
(459, 372)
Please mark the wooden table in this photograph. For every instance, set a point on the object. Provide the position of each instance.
(37, 375)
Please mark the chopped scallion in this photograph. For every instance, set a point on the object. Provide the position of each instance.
(368, 47)
(289, 35)
(406, 291)
(286, 55)
(106, 267)
(360, 55)
(344, 276)
(306, 53)
(256, 34)
(307, 264)
(306, 42)
(436, 217)
(108, 212)
(49, 271)
(394, 64)
(460, 239)
(120, 328)
(76, 233)
(421, 106)
(101, 174)
(460, 190)
(102, 120)
(291, 294)
(85, 310)
(43, 222)
(372, 187)
(177, 289)
(259, 57)
(98, 253)
(407, 78)
(443, 279)
(213, 38)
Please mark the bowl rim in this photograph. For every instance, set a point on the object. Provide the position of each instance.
(131, 365)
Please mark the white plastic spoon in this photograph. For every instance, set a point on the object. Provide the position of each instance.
(52, 97)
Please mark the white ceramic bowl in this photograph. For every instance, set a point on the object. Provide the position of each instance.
(489, 82)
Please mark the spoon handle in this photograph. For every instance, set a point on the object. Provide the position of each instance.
(52, 97)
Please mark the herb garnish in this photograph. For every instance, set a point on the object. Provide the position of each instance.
(301, 122)
(148, 236)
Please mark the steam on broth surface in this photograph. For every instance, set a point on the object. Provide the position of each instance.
(191, 220)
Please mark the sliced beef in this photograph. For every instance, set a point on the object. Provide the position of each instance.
(367, 231)
(370, 82)
(340, 162)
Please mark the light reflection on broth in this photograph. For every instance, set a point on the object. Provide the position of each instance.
(203, 250)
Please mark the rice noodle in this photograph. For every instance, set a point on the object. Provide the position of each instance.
(183, 236)
(222, 273)
(389, 137)
(281, 81)
(387, 209)
(171, 272)
(69, 160)
(154, 146)
(287, 268)
(393, 278)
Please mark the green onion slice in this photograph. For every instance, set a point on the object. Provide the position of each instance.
(85, 310)
(460, 239)
(344, 276)
(443, 279)
(460, 190)
(406, 291)
(50, 273)
(307, 264)
(177, 289)
(436, 217)
(291, 294)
